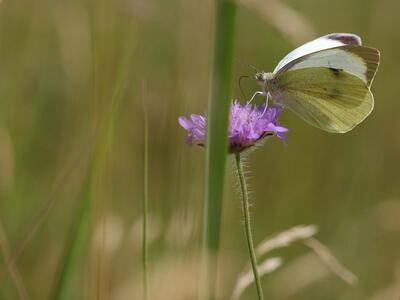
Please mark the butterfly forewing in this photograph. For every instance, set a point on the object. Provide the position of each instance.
(330, 99)
(329, 41)
(357, 60)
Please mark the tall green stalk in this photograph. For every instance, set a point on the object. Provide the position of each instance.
(145, 206)
(247, 225)
(216, 144)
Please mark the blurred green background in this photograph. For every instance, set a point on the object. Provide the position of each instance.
(61, 64)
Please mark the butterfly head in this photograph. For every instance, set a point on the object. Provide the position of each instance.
(262, 77)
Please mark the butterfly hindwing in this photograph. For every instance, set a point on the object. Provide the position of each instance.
(328, 98)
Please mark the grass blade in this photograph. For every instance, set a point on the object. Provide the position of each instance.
(216, 145)
(246, 279)
(11, 266)
(77, 242)
(145, 199)
(286, 238)
(331, 261)
(81, 232)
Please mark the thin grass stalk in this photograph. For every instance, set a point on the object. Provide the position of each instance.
(246, 279)
(104, 145)
(41, 216)
(331, 261)
(11, 266)
(145, 202)
(81, 230)
(77, 242)
(247, 225)
(216, 144)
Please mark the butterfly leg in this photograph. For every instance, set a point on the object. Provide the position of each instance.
(266, 103)
(255, 95)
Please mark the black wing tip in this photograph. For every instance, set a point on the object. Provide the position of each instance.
(345, 38)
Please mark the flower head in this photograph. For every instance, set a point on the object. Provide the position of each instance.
(248, 124)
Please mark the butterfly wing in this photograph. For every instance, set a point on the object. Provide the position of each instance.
(357, 60)
(332, 40)
(332, 100)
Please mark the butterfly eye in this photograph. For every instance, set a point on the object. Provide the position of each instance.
(259, 77)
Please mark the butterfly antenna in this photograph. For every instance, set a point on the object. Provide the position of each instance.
(240, 86)
(246, 64)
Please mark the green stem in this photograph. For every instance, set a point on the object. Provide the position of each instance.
(216, 144)
(246, 214)
(145, 208)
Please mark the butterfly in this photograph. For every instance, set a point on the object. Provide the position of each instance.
(326, 82)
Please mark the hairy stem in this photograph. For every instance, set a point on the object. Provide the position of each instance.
(246, 214)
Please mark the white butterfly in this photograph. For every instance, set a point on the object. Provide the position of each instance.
(326, 81)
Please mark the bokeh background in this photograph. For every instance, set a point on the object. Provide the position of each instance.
(75, 79)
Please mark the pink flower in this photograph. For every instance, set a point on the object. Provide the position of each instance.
(248, 124)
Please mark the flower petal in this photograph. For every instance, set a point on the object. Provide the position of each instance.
(185, 123)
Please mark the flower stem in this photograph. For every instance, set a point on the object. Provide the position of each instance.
(246, 214)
